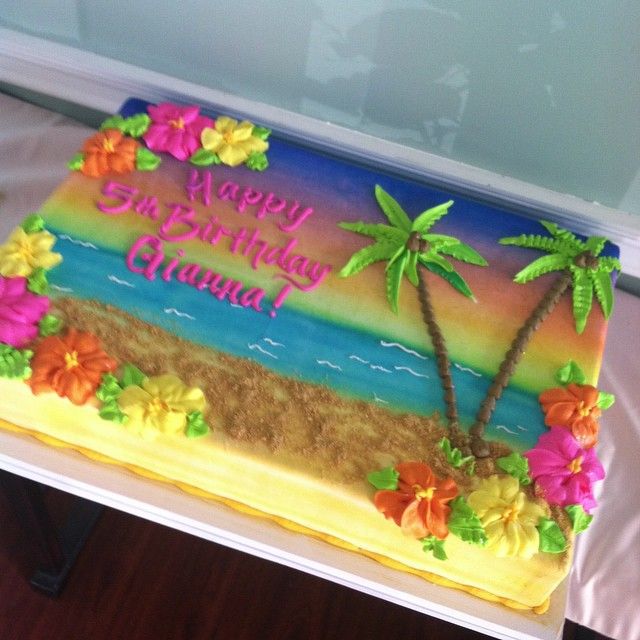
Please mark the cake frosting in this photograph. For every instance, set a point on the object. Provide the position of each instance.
(318, 342)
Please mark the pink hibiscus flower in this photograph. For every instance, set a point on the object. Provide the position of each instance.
(175, 129)
(563, 470)
(20, 311)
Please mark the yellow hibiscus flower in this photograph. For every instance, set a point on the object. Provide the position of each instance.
(24, 252)
(232, 142)
(508, 517)
(160, 405)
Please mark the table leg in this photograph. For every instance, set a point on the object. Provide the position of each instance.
(55, 549)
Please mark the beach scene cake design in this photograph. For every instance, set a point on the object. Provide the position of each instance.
(201, 298)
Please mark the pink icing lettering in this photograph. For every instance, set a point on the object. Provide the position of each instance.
(249, 196)
(230, 289)
(180, 214)
(252, 298)
(228, 191)
(153, 260)
(316, 275)
(122, 193)
(271, 204)
(167, 272)
(199, 184)
(148, 206)
(296, 217)
(279, 299)
(279, 254)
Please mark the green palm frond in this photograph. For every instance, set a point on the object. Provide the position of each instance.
(433, 257)
(563, 234)
(464, 253)
(378, 231)
(545, 264)
(603, 289)
(394, 279)
(439, 240)
(452, 277)
(582, 297)
(411, 268)
(609, 264)
(543, 243)
(595, 244)
(428, 218)
(394, 212)
(370, 254)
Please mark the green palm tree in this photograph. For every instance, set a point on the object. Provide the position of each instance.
(580, 268)
(409, 248)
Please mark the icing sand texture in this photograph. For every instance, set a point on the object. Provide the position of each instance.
(228, 279)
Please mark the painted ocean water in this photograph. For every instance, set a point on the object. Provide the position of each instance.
(352, 362)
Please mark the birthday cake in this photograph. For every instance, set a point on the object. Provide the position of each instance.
(360, 357)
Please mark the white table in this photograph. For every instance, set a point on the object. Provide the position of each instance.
(605, 578)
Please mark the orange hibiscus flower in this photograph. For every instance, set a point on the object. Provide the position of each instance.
(71, 366)
(109, 151)
(575, 408)
(419, 505)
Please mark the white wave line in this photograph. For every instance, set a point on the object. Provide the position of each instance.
(82, 243)
(522, 428)
(358, 359)
(329, 364)
(237, 306)
(411, 371)
(63, 289)
(380, 400)
(273, 343)
(471, 371)
(180, 314)
(377, 367)
(257, 347)
(122, 282)
(501, 427)
(397, 345)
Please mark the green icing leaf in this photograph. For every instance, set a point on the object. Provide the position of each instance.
(131, 375)
(146, 160)
(543, 243)
(452, 277)
(428, 218)
(109, 390)
(257, 161)
(380, 232)
(552, 539)
(196, 426)
(454, 456)
(580, 519)
(32, 223)
(76, 163)
(435, 546)
(431, 257)
(605, 400)
(111, 411)
(392, 209)
(595, 244)
(382, 250)
(15, 363)
(465, 253)
(464, 523)
(571, 372)
(49, 325)
(136, 125)
(113, 122)
(37, 282)
(517, 466)
(582, 297)
(261, 132)
(564, 235)
(204, 158)
(603, 288)
(411, 268)
(394, 272)
(386, 478)
(609, 264)
(545, 264)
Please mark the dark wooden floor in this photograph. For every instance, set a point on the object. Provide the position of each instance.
(137, 581)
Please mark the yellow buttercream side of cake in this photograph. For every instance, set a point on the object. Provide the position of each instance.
(247, 478)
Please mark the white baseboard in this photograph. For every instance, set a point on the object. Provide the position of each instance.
(101, 83)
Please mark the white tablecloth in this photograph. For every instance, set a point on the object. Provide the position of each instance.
(604, 591)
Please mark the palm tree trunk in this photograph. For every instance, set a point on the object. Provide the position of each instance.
(478, 445)
(442, 359)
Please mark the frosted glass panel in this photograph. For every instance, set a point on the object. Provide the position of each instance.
(548, 92)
